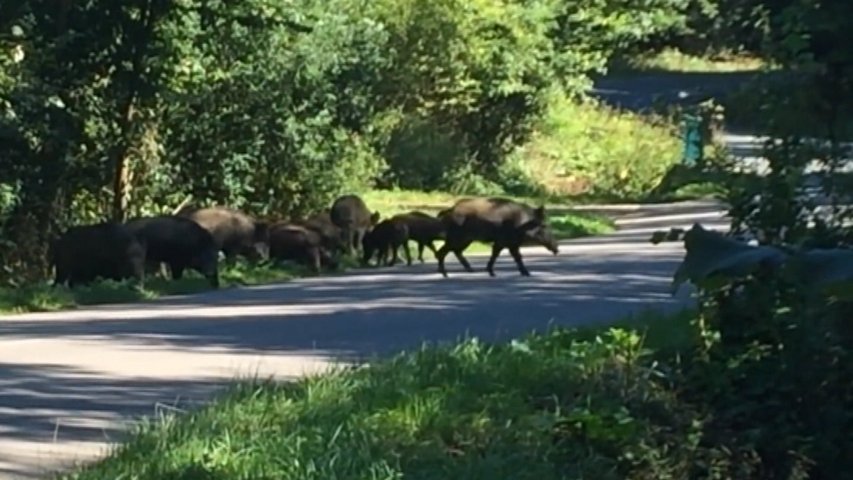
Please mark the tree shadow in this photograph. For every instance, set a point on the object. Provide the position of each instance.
(640, 92)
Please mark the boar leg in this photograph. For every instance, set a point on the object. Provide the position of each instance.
(314, 256)
(516, 255)
(457, 247)
(393, 253)
(350, 237)
(177, 271)
(462, 259)
(440, 255)
(408, 253)
(497, 248)
(357, 241)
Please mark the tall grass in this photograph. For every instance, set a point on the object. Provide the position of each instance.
(44, 298)
(673, 60)
(587, 148)
(545, 407)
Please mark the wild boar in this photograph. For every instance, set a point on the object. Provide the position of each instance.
(351, 215)
(385, 240)
(330, 233)
(234, 232)
(290, 241)
(424, 229)
(180, 243)
(104, 250)
(502, 222)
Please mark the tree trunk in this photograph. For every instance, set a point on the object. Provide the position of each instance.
(121, 172)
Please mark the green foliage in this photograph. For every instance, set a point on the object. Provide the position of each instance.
(545, 407)
(288, 119)
(587, 148)
(670, 59)
(779, 343)
(42, 297)
(775, 316)
(111, 110)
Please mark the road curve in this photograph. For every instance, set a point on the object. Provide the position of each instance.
(70, 381)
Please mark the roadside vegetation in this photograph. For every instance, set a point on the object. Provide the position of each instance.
(755, 383)
(670, 59)
(588, 150)
(177, 105)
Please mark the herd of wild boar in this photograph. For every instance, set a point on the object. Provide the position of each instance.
(194, 237)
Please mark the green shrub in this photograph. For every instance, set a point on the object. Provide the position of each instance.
(777, 343)
(420, 153)
(588, 148)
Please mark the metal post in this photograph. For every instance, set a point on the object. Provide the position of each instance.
(693, 140)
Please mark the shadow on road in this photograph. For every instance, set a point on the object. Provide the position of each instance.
(370, 312)
(642, 91)
(47, 390)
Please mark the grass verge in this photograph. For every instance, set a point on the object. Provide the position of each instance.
(673, 60)
(587, 149)
(42, 297)
(563, 404)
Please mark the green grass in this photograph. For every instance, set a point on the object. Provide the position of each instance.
(673, 60)
(563, 404)
(392, 202)
(586, 149)
(43, 298)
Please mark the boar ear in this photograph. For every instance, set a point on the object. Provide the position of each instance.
(539, 213)
(374, 219)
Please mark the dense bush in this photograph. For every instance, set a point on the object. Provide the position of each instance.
(585, 147)
(110, 110)
(776, 365)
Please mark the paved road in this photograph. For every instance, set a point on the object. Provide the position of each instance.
(91, 369)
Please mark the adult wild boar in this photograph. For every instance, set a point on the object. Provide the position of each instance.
(502, 222)
(180, 243)
(290, 241)
(385, 240)
(234, 232)
(424, 229)
(351, 215)
(86, 252)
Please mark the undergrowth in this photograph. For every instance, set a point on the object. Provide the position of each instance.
(545, 407)
(673, 60)
(587, 148)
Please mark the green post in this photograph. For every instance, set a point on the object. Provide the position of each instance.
(693, 141)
